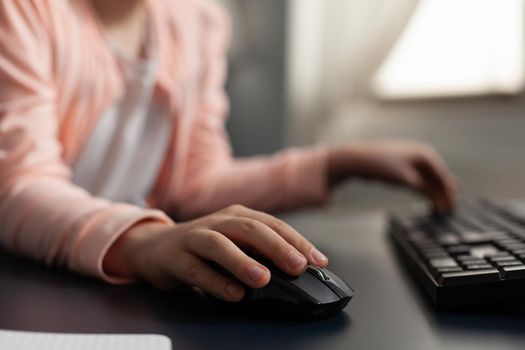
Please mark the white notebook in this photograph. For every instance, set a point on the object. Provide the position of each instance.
(57, 341)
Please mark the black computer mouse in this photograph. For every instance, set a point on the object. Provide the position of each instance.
(317, 293)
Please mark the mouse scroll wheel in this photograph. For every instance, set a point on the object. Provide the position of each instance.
(318, 272)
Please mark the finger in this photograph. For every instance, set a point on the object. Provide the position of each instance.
(443, 197)
(437, 175)
(415, 180)
(440, 202)
(265, 241)
(214, 246)
(196, 273)
(290, 235)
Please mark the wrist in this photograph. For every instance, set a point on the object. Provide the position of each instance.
(345, 162)
(124, 257)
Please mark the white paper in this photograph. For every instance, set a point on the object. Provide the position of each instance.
(58, 341)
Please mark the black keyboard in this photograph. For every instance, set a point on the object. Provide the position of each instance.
(473, 256)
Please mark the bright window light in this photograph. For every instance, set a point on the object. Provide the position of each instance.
(456, 48)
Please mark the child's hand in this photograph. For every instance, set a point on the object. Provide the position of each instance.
(167, 255)
(411, 164)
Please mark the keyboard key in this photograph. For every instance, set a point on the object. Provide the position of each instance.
(508, 263)
(501, 236)
(509, 241)
(431, 256)
(474, 261)
(511, 272)
(429, 251)
(483, 251)
(447, 262)
(449, 269)
(466, 258)
(469, 259)
(428, 246)
(481, 237)
(433, 249)
(473, 237)
(506, 242)
(448, 239)
(502, 258)
(459, 249)
(500, 255)
(478, 267)
(469, 277)
(512, 247)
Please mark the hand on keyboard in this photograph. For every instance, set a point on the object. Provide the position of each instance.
(405, 163)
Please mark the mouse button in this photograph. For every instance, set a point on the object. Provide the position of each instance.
(314, 270)
(315, 289)
(338, 285)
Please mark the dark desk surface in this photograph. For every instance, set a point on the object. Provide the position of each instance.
(388, 312)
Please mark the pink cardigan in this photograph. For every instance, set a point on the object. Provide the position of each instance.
(57, 76)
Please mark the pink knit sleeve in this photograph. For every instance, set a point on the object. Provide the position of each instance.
(42, 214)
(214, 179)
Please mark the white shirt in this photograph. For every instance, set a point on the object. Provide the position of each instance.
(124, 154)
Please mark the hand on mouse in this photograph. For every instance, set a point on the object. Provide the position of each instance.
(165, 255)
(405, 163)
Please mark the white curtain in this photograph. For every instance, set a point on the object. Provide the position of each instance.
(334, 46)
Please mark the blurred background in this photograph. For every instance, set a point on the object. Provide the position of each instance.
(448, 72)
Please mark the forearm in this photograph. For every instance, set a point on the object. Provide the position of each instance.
(290, 179)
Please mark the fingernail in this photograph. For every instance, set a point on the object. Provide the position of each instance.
(318, 256)
(296, 261)
(256, 273)
(232, 289)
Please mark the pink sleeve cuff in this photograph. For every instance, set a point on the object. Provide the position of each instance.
(102, 231)
(306, 176)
